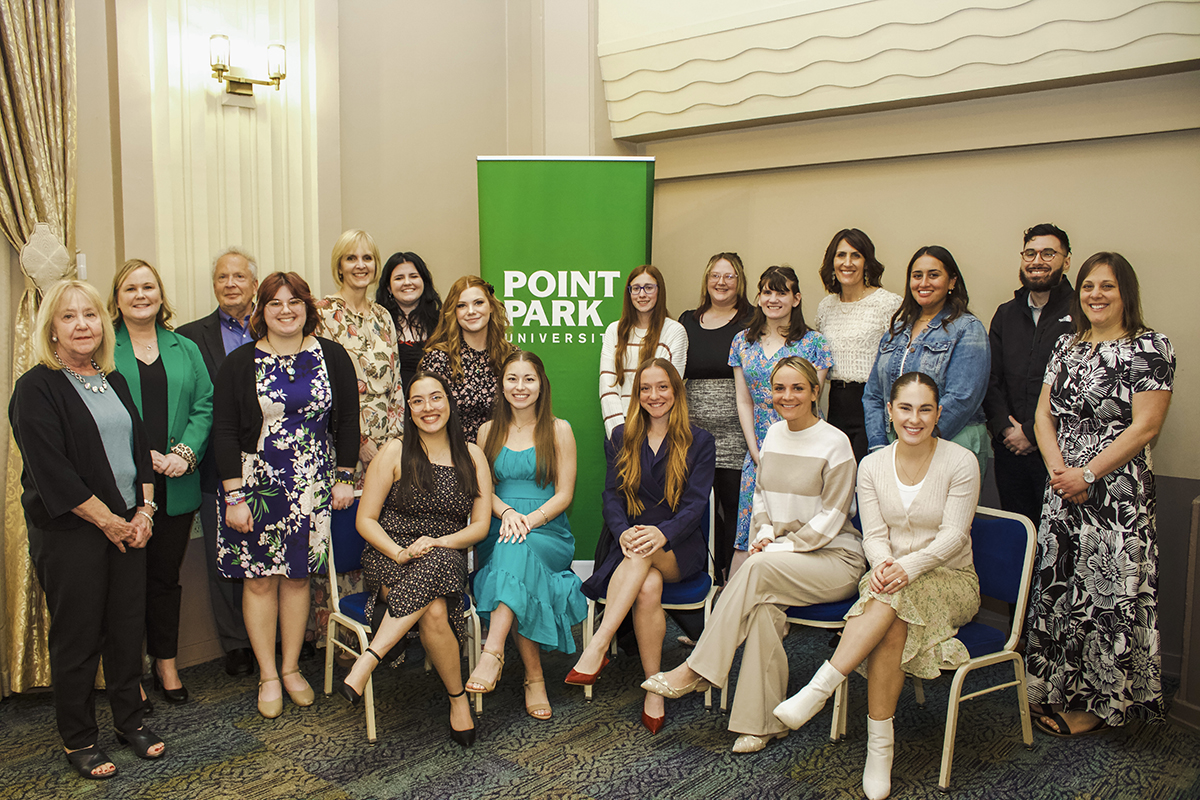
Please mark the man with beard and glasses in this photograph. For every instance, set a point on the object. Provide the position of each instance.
(1022, 335)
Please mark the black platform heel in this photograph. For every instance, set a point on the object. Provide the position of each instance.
(347, 691)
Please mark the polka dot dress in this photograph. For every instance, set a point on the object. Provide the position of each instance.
(439, 573)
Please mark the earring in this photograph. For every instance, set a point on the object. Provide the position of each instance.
(54, 338)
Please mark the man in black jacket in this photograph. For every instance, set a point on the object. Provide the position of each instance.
(235, 282)
(1022, 335)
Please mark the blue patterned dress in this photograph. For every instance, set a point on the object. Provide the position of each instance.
(533, 578)
(288, 480)
(756, 368)
(1093, 639)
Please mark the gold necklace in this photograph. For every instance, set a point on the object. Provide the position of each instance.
(288, 366)
(907, 475)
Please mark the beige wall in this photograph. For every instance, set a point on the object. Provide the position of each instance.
(1134, 194)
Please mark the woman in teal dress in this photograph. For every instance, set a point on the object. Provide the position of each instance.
(526, 584)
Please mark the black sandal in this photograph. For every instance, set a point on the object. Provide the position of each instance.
(140, 741)
(90, 759)
(1064, 729)
(464, 738)
(347, 691)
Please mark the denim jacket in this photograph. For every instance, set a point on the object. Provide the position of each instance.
(956, 355)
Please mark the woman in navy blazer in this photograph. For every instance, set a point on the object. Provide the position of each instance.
(660, 473)
(173, 393)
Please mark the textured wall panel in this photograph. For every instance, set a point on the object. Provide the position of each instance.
(879, 52)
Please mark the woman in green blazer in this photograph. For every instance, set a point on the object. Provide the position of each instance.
(173, 393)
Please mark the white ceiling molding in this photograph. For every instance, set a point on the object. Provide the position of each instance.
(813, 59)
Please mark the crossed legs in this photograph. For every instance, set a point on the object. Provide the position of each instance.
(636, 583)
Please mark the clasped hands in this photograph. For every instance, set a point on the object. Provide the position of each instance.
(171, 465)
(135, 532)
(642, 540)
(1068, 483)
(889, 577)
(419, 548)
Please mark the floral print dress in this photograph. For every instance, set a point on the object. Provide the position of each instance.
(474, 391)
(756, 369)
(1093, 639)
(370, 339)
(288, 479)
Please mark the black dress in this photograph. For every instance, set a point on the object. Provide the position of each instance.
(439, 573)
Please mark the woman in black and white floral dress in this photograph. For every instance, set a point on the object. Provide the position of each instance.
(1093, 640)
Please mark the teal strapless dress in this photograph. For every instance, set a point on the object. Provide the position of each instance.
(533, 578)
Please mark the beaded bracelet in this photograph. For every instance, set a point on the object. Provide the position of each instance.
(234, 497)
(346, 477)
(187, 454)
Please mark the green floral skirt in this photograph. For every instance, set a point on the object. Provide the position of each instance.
(935, 606)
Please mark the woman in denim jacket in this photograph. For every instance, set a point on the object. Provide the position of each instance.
(934, 332)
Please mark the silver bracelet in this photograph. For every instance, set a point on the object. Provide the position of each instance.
(147, 516)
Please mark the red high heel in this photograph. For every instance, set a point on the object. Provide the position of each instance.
(653, 724)
(582, 678)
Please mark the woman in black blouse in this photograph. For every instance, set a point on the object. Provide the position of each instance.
(712, 401)
(88, 496)
(406, 290)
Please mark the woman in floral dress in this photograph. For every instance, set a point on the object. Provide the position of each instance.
(468, 348)
(777, 330)
(365, 329)
(1093, 641)
(284, 406)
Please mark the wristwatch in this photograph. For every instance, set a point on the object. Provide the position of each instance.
(1089, 477)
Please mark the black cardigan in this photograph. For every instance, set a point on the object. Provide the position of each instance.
(65, 462)
(237, 416)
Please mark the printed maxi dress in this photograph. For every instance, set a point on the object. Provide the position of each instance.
(1093, 639)
(288, 479)
(756, 369)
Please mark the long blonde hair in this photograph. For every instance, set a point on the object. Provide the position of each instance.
(637, 427)
(43, 328)
(447, 337)
(544, 444)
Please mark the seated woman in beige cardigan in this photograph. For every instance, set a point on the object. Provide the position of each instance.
(916, 499)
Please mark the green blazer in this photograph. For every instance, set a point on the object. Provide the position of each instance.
(189, 405)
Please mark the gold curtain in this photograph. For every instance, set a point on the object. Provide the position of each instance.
(37, 184)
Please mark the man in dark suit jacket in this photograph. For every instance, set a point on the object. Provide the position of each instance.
(235, 283)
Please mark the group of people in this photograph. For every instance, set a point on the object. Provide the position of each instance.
(446, 431)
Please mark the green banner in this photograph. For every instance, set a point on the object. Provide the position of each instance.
(557, 237)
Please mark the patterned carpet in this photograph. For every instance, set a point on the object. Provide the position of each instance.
(219, 747)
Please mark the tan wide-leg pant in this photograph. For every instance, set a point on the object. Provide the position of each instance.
(751, 609)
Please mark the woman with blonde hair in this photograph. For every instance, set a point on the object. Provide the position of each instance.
(644, 331)
(365, 330)
(525, 584)
(88, 497)
(805, 552)
(173, 393)
(660, 472)
(468, 349)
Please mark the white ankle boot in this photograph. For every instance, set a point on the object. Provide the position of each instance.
(804, 704)
(877, 775)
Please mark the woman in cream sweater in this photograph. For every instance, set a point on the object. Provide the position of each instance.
(916, 500)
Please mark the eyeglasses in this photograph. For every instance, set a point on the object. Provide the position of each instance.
(716, 278)
(276, 305)
(1047, 254)
(648, 288)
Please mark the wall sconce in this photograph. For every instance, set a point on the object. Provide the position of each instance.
(218, 59)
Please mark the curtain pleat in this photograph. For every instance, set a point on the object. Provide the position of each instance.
(37, 184)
